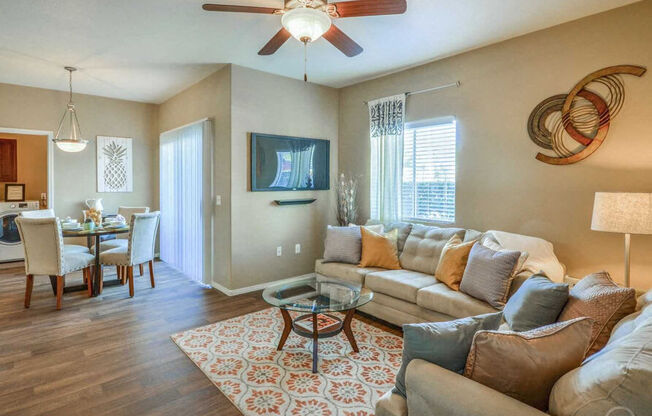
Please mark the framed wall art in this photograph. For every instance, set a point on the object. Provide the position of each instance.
(115, 171)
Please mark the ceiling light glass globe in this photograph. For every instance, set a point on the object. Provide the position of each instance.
(306, 24)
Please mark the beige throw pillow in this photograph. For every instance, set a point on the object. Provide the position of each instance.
(453, 262)
(602, 300)
(526, 365)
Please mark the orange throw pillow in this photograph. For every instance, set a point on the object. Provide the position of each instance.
(379, 250)
(453, 262)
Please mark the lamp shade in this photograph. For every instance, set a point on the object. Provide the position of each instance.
(620, 212)
(306, 24)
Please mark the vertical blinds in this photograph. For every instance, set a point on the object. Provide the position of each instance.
(428, 192)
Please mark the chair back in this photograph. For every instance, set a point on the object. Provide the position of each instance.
(39, 213)
(43, 245)
(142, 237)
(127, 212)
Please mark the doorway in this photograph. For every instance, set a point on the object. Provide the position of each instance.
(27, 175)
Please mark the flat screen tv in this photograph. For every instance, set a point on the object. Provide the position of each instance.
(281, 163)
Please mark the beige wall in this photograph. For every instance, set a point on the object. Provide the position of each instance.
(32, 158)
(210, 98)
(500, 184)
(247, 226)
(265, 103)
(75, 173)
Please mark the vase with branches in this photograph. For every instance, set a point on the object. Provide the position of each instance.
(347, 199)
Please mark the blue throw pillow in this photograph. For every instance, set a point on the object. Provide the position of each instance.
(538, 302)
(443, 343)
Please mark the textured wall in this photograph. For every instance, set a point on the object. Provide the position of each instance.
(500, 184)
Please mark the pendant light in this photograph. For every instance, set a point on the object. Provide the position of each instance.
(72, 142)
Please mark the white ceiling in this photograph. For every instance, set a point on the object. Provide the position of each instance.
(148, 50)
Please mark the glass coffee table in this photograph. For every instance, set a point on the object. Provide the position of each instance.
(317, 297)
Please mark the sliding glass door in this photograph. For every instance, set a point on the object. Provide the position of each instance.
(185, 199)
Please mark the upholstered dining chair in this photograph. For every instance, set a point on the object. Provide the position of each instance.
(49, 213)
(140, 248)
(44, 254)
(121, 239)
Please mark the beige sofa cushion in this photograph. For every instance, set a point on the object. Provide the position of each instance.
(401, 284)
(349, 272)
(391, 404)
(619, 376)
(424, 245)
(441, 298)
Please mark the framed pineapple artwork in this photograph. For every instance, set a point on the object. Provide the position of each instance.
(115, 168)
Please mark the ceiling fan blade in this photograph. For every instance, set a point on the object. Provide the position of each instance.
(238, 9)
(276, 42)
(342, 42)
(370, 7)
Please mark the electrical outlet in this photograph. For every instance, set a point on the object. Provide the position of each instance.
(297, 248)
(279, 251)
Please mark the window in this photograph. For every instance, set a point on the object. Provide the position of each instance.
(428, 188)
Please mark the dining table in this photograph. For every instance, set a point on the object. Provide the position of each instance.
(96, 276)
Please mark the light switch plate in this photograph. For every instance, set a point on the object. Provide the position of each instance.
(279, 251)
(297, 248)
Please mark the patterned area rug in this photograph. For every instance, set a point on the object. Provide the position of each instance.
(239, 356)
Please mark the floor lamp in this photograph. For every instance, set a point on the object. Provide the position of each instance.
(626, 213)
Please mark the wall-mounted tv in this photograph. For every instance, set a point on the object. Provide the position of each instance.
(281, 163)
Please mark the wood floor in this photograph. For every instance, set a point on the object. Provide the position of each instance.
(110, 355)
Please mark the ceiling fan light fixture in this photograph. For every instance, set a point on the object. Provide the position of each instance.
(306, 24)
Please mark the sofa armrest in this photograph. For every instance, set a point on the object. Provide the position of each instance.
(433, 390)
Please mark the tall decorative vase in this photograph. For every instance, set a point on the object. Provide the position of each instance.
(347, 199)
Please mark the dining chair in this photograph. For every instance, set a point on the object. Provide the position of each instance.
(121, 239)
(44, 254)
(49, 213)
(140, 248)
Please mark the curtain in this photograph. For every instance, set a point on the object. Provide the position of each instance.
(185, 199)
(387, 120)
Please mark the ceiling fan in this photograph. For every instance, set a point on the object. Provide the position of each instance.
(308, 20)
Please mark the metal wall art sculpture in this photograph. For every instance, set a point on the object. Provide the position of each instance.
(582, 114)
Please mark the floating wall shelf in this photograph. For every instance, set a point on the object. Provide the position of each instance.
(294, 201)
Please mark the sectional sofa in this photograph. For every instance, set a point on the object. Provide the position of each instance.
(615, 381)
(412, 294)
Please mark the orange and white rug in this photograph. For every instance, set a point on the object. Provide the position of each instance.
(239, 356)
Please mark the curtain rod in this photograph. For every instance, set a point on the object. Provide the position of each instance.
(439, 87)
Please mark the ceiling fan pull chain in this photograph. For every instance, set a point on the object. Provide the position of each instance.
(305, 61)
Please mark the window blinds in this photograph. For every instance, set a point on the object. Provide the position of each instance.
(428, 186)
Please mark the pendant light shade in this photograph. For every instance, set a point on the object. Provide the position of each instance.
(68, 137)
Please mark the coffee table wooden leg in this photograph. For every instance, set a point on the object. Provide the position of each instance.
(315, 342)
(286, 330)
(346, 325)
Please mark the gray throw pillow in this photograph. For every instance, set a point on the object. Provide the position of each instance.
(343, 244)
(443, 343)
(538, 302)
(489, 274)
(404, 229)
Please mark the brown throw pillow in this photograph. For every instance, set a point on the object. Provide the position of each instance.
(453, 262)
(602, 300)
(379, 250)
(526, 365)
